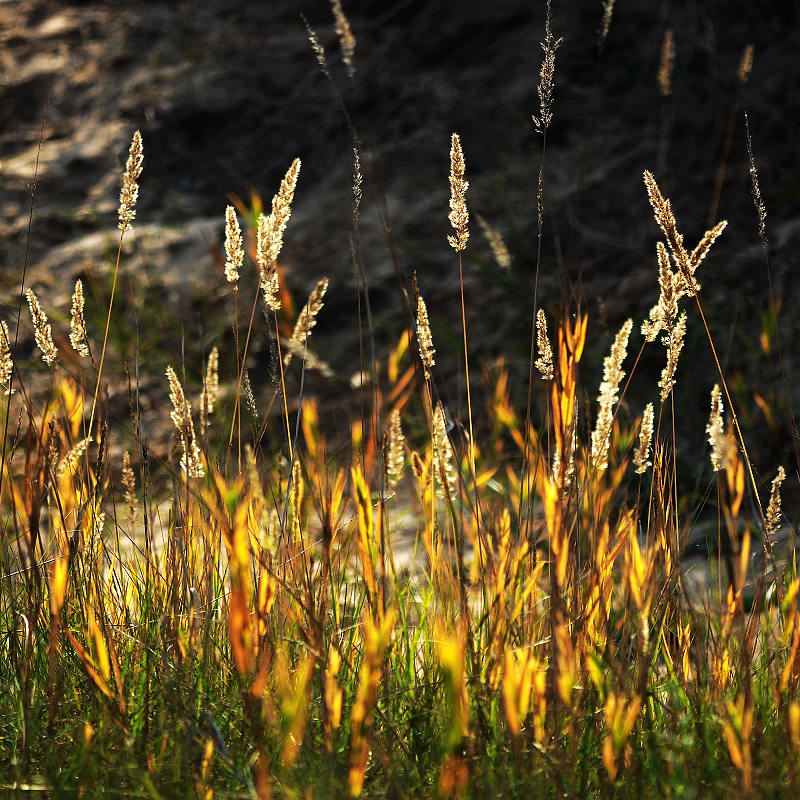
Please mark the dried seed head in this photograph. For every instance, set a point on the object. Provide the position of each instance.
(545, 361)
(424, 339)
(393, 450)
(358, 179)
(716, 431)
(666, 64)
(761, 209)
(308, 317)
(210, 387)
(130, 188)
(346, 39)
(608, 12)
(71, 459)
(662, 211)
(609, 390)
(6, 360)
(129, 483)
(673, 340)
(499, 249)
(546, 77)
(247, 394)
(77, 326)
(746, 64)
(642, 455)
(234, 248)
(459, 216)
(181, 416)
(664, 314)
(42, 332)
(443, 452)
(774, 507)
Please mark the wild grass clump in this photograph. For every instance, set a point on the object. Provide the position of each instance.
(235, 621)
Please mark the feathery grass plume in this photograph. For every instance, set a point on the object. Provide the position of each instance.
(662, 211)
(715, 431)
(641, 456)
(130, 188)
(665, 312)
(758, 202)
(703, 246)
(346, 39)
(316, 46)
(270, 235)
(546, 77)
(308, 318)
(443, 451)
(42, 332)
(129, 483)
(234, 248)
(666, 64)
(609, 390)
(77, 326)
(393, 450)
(71, 459)
(545, 361)
(459, 216)
(746, 64)
(424, 339)
(313, 361)
(6, 360)
(608, 12)
(210, 387)
(247, 394)
(498, 246)
(774, 507)
(181, 416)
(673, 341)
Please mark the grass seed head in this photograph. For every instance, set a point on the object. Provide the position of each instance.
(42, 332)
(424, 338)
(6, 360)
(234, 249)
(346, 39)
(544, 363)
(642, 455)
(130, 188)
(459, 216)
(181, 416)
(666, 64)
(498, 246)
(77, 327)
(715, 430)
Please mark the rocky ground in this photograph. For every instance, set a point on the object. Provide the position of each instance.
(226, 94)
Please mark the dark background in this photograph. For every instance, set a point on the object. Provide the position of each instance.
(226, 94)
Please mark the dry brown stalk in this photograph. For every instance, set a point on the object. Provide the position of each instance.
(42, 332)
(77, 326)
(130, 188)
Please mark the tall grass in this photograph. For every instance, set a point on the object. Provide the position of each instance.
(239, 622)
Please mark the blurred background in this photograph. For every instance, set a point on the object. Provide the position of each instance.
(227, 94)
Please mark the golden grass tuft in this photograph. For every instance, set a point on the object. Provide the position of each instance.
(130, 188)
(42, 332)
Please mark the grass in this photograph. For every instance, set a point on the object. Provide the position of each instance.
(239, 620)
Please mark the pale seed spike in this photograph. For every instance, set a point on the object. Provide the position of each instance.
(346, 39)
(774, 507)
(181, 416)
(42, 332)
(662, 211)
(394, 455)
(308, 317)
(609, 390)
(424, 339)
(545, 361)
(642, 455)
(459, 216)
(130, 188)
(443, 452)
(6, 360)
(674, 342)
(704, 245)
(210, 387)
(77, 326)
(234, 249)
(746, 64)
(129, 483)
(716, 430)
(605, 25)
(761, 209)
(496, 243)
(546, 77)
(666, 63)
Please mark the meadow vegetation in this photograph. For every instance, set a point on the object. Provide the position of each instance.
(237, 621)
